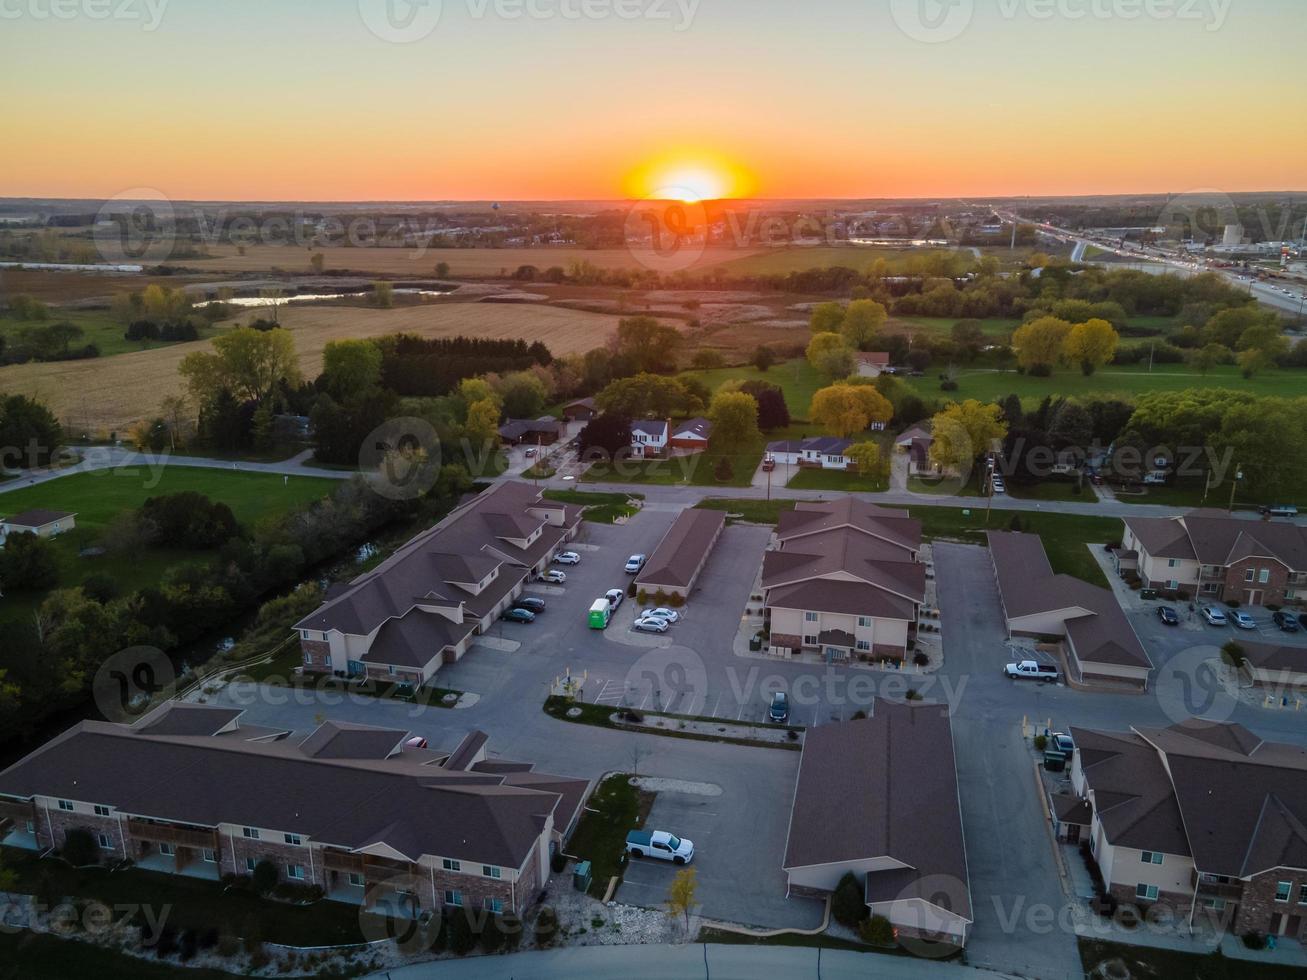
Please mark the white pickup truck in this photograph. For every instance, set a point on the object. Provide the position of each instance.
(660, 844)
(1031, 670)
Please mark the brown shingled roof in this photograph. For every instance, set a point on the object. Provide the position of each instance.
(683, 548)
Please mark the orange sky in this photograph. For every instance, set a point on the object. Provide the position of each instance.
(302, 100)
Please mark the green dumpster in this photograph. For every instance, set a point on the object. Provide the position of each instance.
(582, 877)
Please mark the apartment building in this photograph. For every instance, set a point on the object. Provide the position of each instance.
(366, 814)
(1211, 555)
(422, 606)
(844, 578)
(1209, 819)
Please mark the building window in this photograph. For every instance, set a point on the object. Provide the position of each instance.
(65, 804)
(355, 879)
(292, 839)
(495, 905)
(106, 842)
(1216, 904)
(451, 865)
(864, 644)
(864, 620)
(1150, 857)
(454, 898)
(295, 871)
(251, 832)
(489, 871)
(250, 863)
(1146, 892)
(1172, 563)
(167, 850)
(210, 855)
(1282, 890)
(1302, 894)
(1264, 576)
(101, 811)
(810, 617)
(810, 641)
(1248, 575)
(1172, 585)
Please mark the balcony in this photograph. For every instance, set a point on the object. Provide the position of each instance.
(160, 833)
(1231, 891)
(1211, 574)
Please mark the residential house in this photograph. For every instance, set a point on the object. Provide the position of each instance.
(366, 814)
(1210, 555)
(581, 410)
(844, 579)
(43, 523)
(1100, 643)
(878, 798)
(915, 443)
(675, 565)
(817, 452)
(872, 364)
(532, 432)
(422, 606)
(1208, 819)
(649, 437)
(691, 435)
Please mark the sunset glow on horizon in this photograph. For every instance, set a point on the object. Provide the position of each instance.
(834, 100)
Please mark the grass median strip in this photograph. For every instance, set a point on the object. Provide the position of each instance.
(614, 810)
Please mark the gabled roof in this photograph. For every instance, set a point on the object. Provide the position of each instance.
(826, 445)
(883, 787)
(683, 549)
(336, 787)
(887, 524)
(37, 518)
(840, 554)
(878, 358)
(650, 427)
(517, 428)
(1215, 538)
(1271, 656)
(697, 428)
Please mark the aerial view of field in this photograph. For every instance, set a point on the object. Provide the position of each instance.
(463, 263)
(112, 393)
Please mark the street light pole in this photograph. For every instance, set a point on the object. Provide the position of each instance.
(1238, 475)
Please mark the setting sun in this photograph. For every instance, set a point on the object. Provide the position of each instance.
(690, 178)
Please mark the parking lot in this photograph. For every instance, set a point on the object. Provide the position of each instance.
(739, 844)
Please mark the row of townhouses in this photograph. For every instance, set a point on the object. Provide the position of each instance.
(366, 814)
(422, 606)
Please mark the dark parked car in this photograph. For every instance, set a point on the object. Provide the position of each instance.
(1062, 742)
(1285, 621)
(532, 603)
(779, 711)
(1302, 620)
(519, 616)
(1168, 615)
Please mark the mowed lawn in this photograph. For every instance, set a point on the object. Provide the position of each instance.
(1129, 382)
(796, 379)
(97, 498)
(98, 328)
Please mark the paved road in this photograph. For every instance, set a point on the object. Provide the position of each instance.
(709, 962)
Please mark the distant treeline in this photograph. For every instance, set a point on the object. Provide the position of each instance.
(420, 366)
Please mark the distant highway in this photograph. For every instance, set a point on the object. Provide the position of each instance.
(1294, 301)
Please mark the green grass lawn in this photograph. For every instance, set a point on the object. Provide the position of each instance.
(615, 809)
(1190, 494)
(810, 478)
(98, 328)
(1148, 962)
(600, 508)
(1128, 381)
(194, 903)
(98, 497)
(1054, 490)
(796, 379)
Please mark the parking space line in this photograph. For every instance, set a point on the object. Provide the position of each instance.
(717, 704)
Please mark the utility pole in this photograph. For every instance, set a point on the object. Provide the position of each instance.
(1152, 349)
(1238, 475)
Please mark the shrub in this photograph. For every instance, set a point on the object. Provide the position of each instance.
(848, 904)
(877, 931)
(1254, 940)
(100, 587)
(949, 385)
(264, 877)
(1232, 603)
(921, 660)
(631, 590)
(511, 926)
(492, 936)
(546, 927)
(1232, 653)
(80, 848)
(912, 694)
(859, 715)
(676, 600)
(228, 946)
(724, 470)
(1182, 595)
(642, 597)
(459, 936)
(1041, 743)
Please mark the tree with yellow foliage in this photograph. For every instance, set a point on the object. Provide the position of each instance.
(1040, 342)
(843, 409)
(1091, 345)
(830, 355)
(962, 432)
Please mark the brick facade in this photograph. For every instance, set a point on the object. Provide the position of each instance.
(1237, 586)
(1260, 912)
(317, 654)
